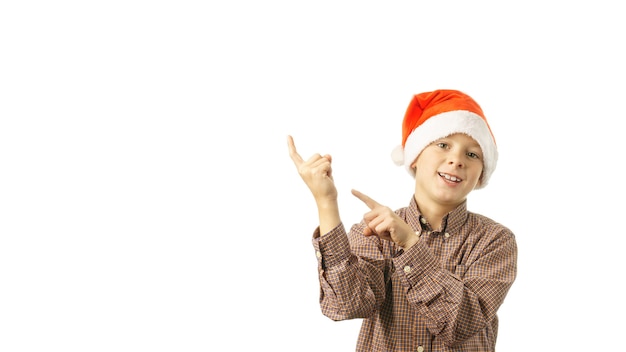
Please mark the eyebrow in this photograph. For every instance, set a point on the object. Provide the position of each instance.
(447, 138)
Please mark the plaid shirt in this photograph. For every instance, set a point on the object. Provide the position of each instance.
(442, 294)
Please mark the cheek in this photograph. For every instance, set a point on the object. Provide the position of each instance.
(479, 178)
(479, 182)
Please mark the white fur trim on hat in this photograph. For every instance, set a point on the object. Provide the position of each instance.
(443, 125)
(397, 155)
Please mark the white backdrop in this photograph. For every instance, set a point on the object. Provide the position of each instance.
(148, 202)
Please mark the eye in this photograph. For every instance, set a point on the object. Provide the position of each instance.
(473, 155)
(442, 145)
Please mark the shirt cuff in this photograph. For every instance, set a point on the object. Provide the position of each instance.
(331, 248)
(415, 263)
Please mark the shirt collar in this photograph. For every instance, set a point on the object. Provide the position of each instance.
(451, 223)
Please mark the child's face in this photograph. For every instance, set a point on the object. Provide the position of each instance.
(448, 169)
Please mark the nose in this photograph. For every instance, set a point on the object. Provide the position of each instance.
(456, 159)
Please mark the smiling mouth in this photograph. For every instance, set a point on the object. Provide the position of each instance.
(450, 177)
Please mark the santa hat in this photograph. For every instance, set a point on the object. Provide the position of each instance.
(438, 114)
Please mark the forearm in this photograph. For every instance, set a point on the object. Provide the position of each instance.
(458, 304)
(351, 287)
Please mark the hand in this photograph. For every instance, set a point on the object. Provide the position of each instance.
(385, 223)
(316, 173)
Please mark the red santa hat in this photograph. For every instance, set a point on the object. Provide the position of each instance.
(434, 115)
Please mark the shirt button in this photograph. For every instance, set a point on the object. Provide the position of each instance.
(420, 349)
(318, 254)
(423, 220)
(447, 235)
(407, 269)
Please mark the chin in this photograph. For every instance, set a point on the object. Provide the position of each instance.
(447, 198)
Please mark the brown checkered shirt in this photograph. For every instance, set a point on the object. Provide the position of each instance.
(442, 294)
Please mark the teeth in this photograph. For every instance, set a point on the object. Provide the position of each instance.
(451, 178)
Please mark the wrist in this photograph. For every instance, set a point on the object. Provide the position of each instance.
(412, 240)
(326, 204)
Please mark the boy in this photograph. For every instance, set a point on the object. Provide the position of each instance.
(430, 276)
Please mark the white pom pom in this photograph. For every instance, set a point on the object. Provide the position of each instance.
(397, 155)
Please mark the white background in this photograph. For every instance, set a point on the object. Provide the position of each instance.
(148, 203)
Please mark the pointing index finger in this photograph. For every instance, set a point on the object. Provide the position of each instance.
(365, 199)
(297, 159)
